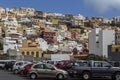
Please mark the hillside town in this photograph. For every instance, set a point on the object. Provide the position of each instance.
(29, 34)
(36, 44)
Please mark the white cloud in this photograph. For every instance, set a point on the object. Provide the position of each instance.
(103, 6)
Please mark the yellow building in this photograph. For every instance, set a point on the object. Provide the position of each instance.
(63, 27)
(74, 29)
(12, 15)
(115, 48)
(29, 47)
(54, 21)
(3, 15)
(34, 51)
(68, 35)
(81, 23)
(19, 29)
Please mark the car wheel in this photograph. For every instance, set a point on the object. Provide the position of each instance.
(16, 71)
(86, 75)
(60, 77)
(33, 76)
(117, 76)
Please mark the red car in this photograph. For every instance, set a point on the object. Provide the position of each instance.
(26, 69)
(60, 64)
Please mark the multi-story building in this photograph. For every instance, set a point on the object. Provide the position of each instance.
(75, 35)
(9, 43)
(26, 11)
(38, 14)
(114, 52)
(2, 10)
(43, 44)
(63, 27)
(49, 36)
(78, 20)
(117, 37)
(58, 38)
(99, 40)
(116, 19)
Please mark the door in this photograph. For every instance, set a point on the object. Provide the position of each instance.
(50, 70)
(39, 68)
(101, 69)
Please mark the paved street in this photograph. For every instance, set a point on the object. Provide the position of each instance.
(5, 75)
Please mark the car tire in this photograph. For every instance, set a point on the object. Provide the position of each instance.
(33, 76)
(16, 71)
(116, 76)
(60, 76)
(86, 75)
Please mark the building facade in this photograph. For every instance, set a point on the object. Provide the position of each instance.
(99, 40)
(114, 52)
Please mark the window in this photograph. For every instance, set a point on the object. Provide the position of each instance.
(97, 64)
(37, 54)
(27, 53)
(23, 53)
(19, 64)
(40, 66)
(116, 50)
(48, 66)
(105, 64)
(32, 53)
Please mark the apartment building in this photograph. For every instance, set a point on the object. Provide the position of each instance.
(99, 40)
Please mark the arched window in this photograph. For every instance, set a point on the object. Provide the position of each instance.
(27, 53)
(116, 49)
(32, 53)
(37, 54)
(23, 53)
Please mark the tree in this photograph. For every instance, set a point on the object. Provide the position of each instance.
(1, 46)
(75, 51)
(96, 57)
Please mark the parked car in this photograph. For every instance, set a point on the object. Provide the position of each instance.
(9, 65)
(94, 69)
(26, 68)
(60, 64)
(46, 70)
(17, 67)
(2, 63)
(70, 64)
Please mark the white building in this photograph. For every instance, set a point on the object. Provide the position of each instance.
(116, 19)
(30, 31)
(99, 40)
(2, 10)
(43, 44)
(9, 43)
(59, 38)
(77, 19)
(53, 47)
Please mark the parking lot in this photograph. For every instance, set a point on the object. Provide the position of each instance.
(5, 75)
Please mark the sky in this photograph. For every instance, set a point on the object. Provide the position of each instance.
(87, 8)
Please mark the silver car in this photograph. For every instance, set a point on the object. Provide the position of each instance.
(45, 70)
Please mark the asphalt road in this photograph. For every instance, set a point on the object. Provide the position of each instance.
(5, 75)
